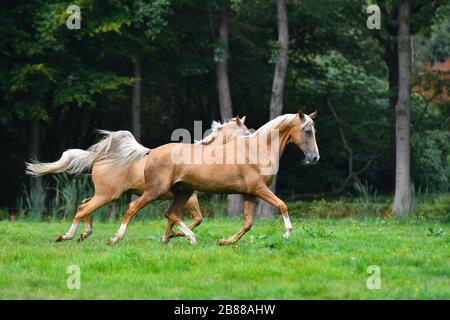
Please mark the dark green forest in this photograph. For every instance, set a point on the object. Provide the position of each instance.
(59, 85)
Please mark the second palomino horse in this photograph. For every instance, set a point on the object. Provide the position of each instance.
(118, 163)
(245, 165)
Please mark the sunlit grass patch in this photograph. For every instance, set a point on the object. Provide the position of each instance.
(322, 259)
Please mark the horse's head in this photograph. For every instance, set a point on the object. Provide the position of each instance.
(304, 136)
(234, 128)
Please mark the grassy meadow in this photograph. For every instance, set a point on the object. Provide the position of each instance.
(323, 259)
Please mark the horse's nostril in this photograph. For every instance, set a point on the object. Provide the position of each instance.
(315, 159)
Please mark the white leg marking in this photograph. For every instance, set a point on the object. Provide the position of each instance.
(73, 229)
(88, 228)
(119, 235)
(121, 232)
(188, 233)
(287, 227)
(287, 223)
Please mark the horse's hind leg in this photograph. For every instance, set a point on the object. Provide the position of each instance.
(88, 221)
(83, 210)
(169, 233)
(133, 208)
(194, 208)
(181, 196)
(249, 211)
(88, 229)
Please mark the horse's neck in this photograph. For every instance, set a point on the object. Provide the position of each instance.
(279, 145)
(285, 139)
(221, 138)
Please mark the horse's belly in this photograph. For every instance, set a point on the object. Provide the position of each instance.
(214, 180)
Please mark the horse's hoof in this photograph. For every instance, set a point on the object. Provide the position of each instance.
(82, 237)
(172, 235)
(192, 241)
(221, 242)
(287, 233)
(167, 243)
(111, 242)
(59, 238)
(165, 240)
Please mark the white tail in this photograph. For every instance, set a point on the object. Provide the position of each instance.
(117, 148)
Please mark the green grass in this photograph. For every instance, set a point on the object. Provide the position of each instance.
(324, 259)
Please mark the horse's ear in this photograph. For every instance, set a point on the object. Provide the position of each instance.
(301, 115)
(238, 121)
(243, 119)
(313, 115)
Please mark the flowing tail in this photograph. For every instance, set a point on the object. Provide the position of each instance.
(71, 161)
(116, 148)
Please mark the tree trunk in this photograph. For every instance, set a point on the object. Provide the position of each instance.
(235, 205)
(391, 60)
(33, 152)
(235, 201)
(136, 101)
(402, 198)
(135, 113)
(392, 64)
(276, 102)
(223, 86)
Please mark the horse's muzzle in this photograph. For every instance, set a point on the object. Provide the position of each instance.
(312, 158)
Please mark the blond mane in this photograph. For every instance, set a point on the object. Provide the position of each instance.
(216, 126)
(282, 121)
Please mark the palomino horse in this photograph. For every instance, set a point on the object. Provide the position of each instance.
(118, 163)
(245, 165)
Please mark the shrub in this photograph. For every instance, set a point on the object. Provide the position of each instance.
(32, 204)
(324, 209)
(4, 215)
(430, 163)
(434, 207)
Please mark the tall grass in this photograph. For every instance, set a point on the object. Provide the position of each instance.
(426, 205)
(218, 204)
(366, 197)
(69, 192)
(61, 200)
(32, 204)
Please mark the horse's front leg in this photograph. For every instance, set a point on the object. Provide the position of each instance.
(88, 229)
(133, 208)
(249, 212)
(194, 209)
(180, 199)
(88, 224)
(169, 233)
(267, 195)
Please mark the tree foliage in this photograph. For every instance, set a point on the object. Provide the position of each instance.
(76, 81)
